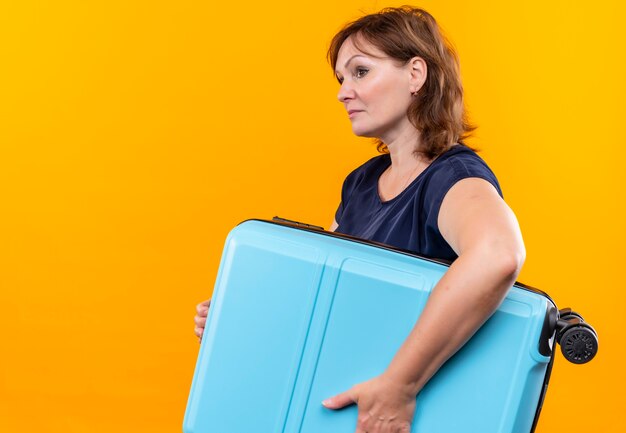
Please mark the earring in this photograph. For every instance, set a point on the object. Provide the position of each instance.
(414, 93)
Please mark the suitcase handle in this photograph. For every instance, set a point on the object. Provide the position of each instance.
(296, 223)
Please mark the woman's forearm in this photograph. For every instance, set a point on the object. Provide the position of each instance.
(465, 297)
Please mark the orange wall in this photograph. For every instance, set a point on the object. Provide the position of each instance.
(134, 135)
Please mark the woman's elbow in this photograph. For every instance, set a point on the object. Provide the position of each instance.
(508, 262)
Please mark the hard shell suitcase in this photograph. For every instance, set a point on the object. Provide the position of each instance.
(299, 314)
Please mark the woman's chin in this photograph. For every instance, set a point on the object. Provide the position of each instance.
(361, 132)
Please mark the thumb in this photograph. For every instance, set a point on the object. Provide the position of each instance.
(340, 400)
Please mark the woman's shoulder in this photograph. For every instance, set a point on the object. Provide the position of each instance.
(460, 162)
(458, 152)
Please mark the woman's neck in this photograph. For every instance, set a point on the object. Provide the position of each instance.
(402, 151)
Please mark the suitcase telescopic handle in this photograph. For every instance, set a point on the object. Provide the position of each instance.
(578, 340)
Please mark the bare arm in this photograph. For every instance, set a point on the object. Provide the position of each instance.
(483, 231)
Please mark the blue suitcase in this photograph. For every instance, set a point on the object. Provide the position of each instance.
(299, 314)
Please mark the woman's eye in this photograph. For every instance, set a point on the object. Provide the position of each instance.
(361, 72)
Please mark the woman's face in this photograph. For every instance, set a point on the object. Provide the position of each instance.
(376, 90)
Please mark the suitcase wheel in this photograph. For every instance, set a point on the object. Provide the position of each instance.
(579, 343)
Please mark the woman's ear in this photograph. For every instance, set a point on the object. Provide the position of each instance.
(418, 70)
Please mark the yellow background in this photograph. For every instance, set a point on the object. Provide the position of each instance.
(135, 134)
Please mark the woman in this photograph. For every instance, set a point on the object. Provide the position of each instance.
(427, 192)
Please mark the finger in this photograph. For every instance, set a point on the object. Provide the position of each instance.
(341, 400)
(198, 331)
(364, 422)
(405, 428)
(392, 428)
(363, 425)
(203, 306)
(200, 321)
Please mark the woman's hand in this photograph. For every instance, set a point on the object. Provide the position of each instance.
(202, 310)
(385, 405)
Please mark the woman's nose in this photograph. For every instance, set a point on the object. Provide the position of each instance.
(346, 92)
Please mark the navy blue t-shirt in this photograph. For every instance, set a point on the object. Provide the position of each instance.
(409, 220)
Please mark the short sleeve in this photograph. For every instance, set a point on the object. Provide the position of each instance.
(454, 169)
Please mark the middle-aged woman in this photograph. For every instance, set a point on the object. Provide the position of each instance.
(427, 192)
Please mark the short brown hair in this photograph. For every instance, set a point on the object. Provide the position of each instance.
(402, 33)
